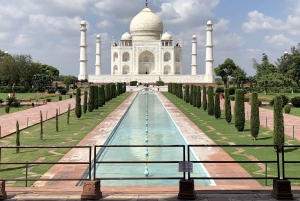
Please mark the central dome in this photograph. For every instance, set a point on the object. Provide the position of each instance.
(146, 26)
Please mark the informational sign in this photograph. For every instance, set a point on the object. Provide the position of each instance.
(185, 166)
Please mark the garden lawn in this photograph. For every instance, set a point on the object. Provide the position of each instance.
(68, 135)
(294, 110)
(222, 133)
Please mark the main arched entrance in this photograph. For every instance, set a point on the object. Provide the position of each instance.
(146, 62)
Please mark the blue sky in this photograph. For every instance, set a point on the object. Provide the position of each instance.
(49, 30)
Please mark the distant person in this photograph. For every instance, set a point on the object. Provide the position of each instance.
(158, 88)
(13, 94)
(9, 95)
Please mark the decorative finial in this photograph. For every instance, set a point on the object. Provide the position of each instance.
(147, 3)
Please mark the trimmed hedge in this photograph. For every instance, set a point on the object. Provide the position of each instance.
(228, 115)
(296, 101)
(278, 131)
(239, 110)
(287, 109)
(210, 100)
(254, 120)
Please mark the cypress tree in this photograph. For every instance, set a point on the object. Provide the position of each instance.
(239, 110)
(90, 102)
(210, 102)
(254, 121)
(68, 117)
(191, 94)
(180, 91)
(17, 138)
(195, 96)
(41, 124)
(100, 97)
(103, 94)
(228, 115)
(278, 130)
(217, 106)
(78, 111)
(124, 87)
(187, 93)
(56, 120)
(85, 101)
(204, 98)
(96, 97)
(198, 97)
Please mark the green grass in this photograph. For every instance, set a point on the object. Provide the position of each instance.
(294, 110)
(68, 135)
(222, 133)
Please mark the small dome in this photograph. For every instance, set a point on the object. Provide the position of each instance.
(194, 36)
(98, 36)
(166, 36)
(209, 22)
(83, 22)
(146, 26)
(126, 36)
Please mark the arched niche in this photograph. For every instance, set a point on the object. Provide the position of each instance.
(126, 57)
(167, 69)
(177, 70)
(115, 57)
(146, 62)
(125, 70)
(115, 69)
(167, 57)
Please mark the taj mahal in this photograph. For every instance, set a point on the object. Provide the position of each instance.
(147, 55)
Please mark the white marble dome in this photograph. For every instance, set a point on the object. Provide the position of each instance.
(126, 36)
(146, 26)
(166, 36)
(209, 22)
(83, 22)
(98, 36)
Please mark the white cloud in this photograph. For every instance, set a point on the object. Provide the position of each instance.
(105, 24)
(259, 22)
(278, 41)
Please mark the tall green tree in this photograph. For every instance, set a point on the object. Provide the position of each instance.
(225, 70)
(195, 96)
(85, 101)
(187, 93)
(254, 121)
(56, 121)
(69, 111)
(95, 97)
(91, 100)
(17, 138)
(198, 97)
(228, 115)
(278, 130)
(191, 94)
(217, 109)
(78, 110)
(204, 98)
(210, 100)
(239, 110)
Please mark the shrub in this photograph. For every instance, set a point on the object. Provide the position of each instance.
(51, 91)
(219, 90)
(71, 96)
(278, 130)
(228, 115)
(246, 99)
(48, 99)
(59, 98)
(17, 138)
(285, 100)
(296, 101)
(204, 98)
(56, 121)
(232, 97)
(133, 83)
(41, 124)
(210, 100)
(198, 96)
(287, 109)
(13, 102)
(7, 108)
(231, 90)
(254, 121)
(62, 91)
(78, 110)
(85, 102)
(239, 110)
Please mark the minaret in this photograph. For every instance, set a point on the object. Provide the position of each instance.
(194, 55)
(83, 53)
(98, 55)
(209, 54)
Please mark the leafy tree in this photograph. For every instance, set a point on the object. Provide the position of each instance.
(254, 121)
(78, 111)
(41, 81)
(225, 70)
(85, 102)
(228, 115)
(17, 138)
(217, 109)
(204, 98)
(239, 76)
(187, 93)
(68, 80)
(278, 130)
(210, 102)
(239, 110)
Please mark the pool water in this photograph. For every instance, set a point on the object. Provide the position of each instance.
(132, 131)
